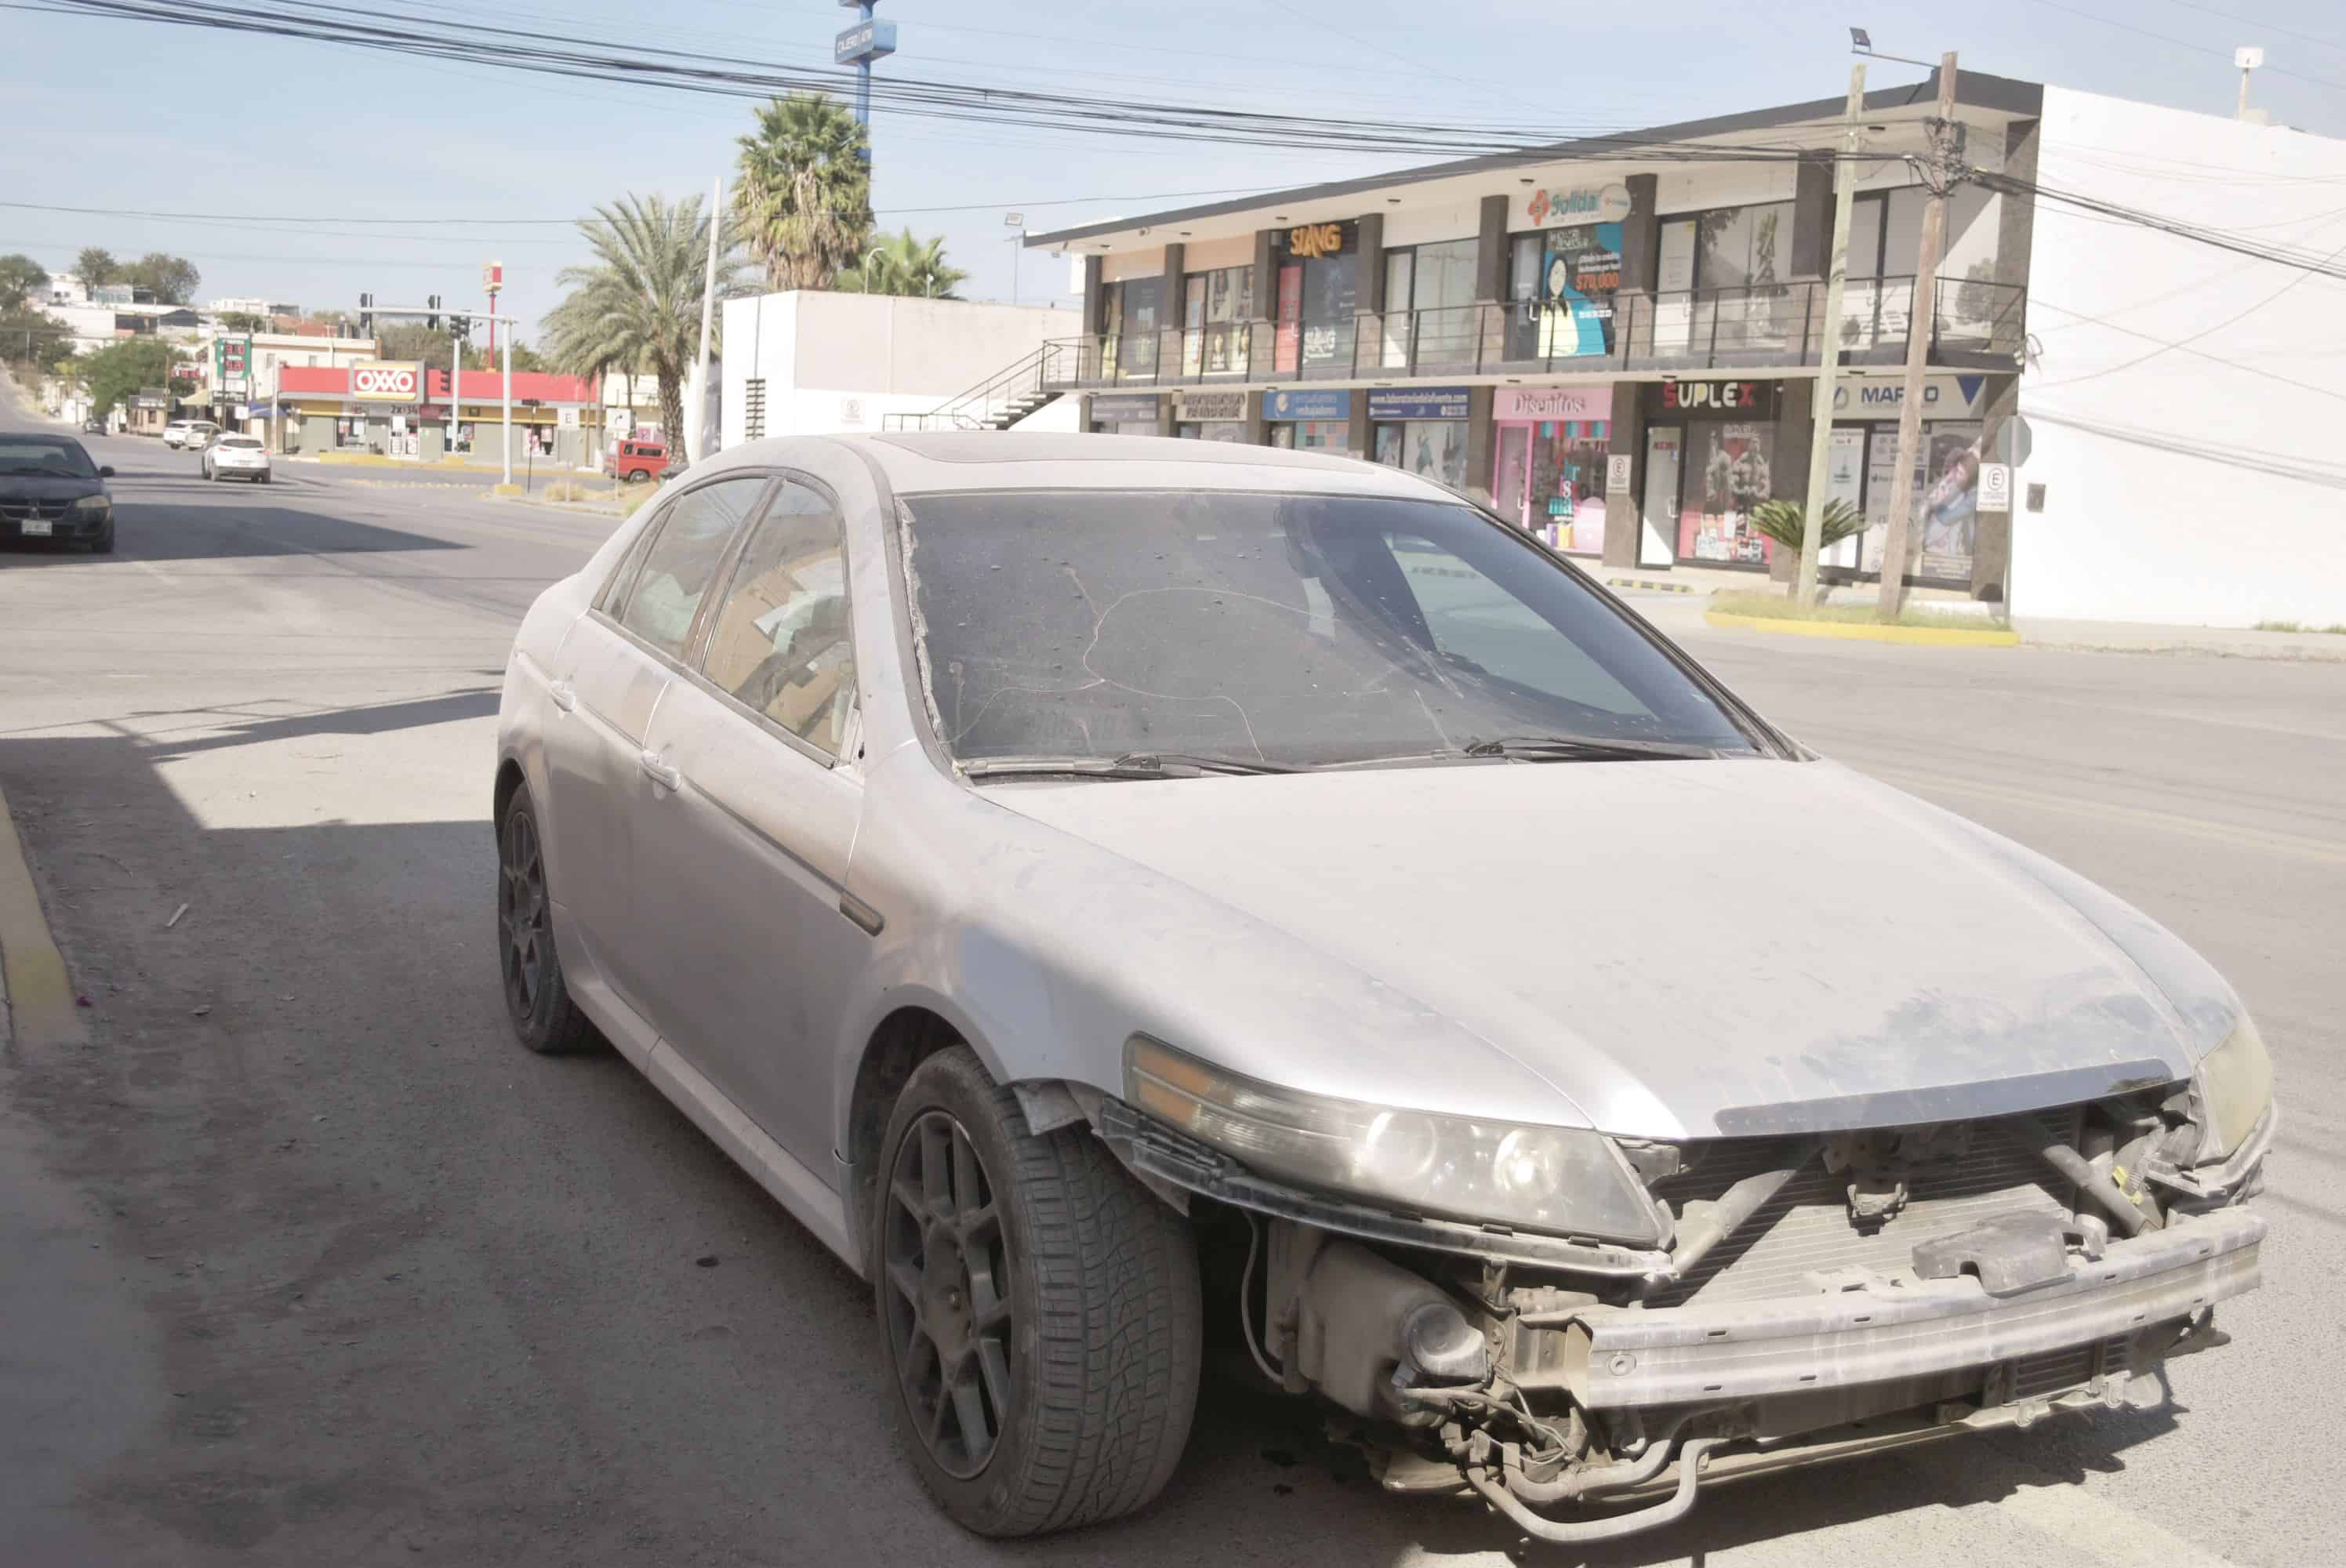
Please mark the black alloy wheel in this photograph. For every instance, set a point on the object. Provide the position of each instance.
(538, 996)
(523, 924)
(951, 1323)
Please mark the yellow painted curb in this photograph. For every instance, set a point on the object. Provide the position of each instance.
(504, 489)
(1867, 632)
(39, 994)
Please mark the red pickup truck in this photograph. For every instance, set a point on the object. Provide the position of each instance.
(638, 460)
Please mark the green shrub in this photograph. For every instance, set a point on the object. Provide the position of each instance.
(1785, 521)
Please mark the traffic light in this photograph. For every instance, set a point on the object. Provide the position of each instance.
(461, 328)
(366, 315)
(431, 312)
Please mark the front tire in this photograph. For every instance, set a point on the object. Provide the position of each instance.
(1038, 1310)
(537, 998)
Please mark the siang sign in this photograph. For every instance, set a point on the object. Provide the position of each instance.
(377, 381)
(1744, 398)
(1316, 239)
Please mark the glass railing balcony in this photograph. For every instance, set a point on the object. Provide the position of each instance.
(1978, 324)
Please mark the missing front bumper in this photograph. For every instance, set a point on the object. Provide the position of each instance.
(1873, 1329)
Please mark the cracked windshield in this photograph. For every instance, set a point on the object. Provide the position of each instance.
(1294, 630)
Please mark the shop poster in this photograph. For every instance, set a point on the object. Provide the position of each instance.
(1580, 271)
(1735, 478)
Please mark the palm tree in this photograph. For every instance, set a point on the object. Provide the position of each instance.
(804, 196)
(638, 308)
(901, 264)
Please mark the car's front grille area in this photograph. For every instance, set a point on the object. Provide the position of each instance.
(2033, 1377)
(1806, 1228)
(32, 510)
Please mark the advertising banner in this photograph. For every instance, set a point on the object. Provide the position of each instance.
(1123, 408)
(386, 381)
(1307, 405)
(1416, 403)
(1204, 406)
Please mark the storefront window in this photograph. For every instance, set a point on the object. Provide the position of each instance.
(1319, 297)
(1742, 254)
(1731, 475)
(1216, 309)
(1230, 430)
(1430, 317)
(1561, 286)
(1320, 435)
(1433, 448)
(1128, 331)
(1944, 524)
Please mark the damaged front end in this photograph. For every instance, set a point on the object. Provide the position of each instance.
(1795, 1300)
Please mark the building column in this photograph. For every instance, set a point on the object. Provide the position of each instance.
(1095, 297)
(1624, 509)
(1641, 235)
(1368, 313)
(2000, 431)
(1480, 434)
(1266, 304)
(1812, 213)
(1167, 421)
(1357, 430)
(1787, 465)
(1083, 413)
(1258, 429)
(1171, 322)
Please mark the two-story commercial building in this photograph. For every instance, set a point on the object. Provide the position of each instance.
(1615, 343)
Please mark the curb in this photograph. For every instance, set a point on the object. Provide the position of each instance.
(1650, 587)
(37, 993)
(1860, 631)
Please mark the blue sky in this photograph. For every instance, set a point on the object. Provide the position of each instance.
(120, 114)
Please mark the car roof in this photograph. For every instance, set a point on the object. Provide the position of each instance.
(926, 462)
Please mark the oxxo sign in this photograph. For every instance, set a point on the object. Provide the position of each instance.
(376, 381)
(1312, 240)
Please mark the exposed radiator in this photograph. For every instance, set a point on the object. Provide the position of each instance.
(1807, 1228)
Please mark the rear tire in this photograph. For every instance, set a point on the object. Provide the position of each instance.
(1038, 1310)
(537, 997)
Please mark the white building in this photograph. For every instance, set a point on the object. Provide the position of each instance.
(251, 306)
(97, 326)
(809, 362)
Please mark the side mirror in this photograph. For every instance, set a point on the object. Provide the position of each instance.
(106, 472)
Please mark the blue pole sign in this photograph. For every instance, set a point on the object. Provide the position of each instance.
(865, 43)
(1417, 402)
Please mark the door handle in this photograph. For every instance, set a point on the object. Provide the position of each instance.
(662, 774)
(565, 698)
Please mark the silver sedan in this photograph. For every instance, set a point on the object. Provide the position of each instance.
(1098, 884)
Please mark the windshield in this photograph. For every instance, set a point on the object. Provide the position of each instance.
(1301, 630)
(28, 456)
(239, 443)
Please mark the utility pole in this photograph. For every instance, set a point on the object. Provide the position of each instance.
(693, 438)
(508, 435)
(1921, 326)
(1821, 416)
(455, 384)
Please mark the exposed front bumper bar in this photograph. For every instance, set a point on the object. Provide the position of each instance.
(1876, 1329)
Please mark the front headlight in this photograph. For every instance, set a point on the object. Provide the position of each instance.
(2235, 1088)
(1564, 1179)
(88, 505)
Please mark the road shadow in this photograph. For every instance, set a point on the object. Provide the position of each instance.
(156, 531)
(371, 718)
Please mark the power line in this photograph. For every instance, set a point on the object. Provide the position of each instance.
(2187, 43)
(2265, 26)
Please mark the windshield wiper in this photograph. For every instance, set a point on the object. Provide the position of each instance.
(1583, 749)
(1131, 765)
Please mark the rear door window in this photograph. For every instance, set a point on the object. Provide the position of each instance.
(683, 561)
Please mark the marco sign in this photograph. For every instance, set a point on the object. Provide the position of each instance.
(379, 380)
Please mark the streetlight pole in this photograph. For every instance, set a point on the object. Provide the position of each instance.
(1821, 415)
(1016, 220)
(1922, 324)
(694, 438)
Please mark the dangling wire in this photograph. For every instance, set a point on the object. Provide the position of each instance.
(1246, 1322)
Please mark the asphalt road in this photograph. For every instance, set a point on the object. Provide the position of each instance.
(303, 1260)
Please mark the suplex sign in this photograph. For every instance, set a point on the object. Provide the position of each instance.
(1749, 400)
(377, 381)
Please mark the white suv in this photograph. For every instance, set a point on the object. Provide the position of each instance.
(176, 432)
(238, 454)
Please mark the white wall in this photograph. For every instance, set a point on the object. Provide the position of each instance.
(2199, 483)
(841, 362)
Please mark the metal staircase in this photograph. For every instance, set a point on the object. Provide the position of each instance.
(1003, 399)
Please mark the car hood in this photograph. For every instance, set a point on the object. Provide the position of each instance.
(1687, 949)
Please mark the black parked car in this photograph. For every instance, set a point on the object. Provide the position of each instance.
(49, 489)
